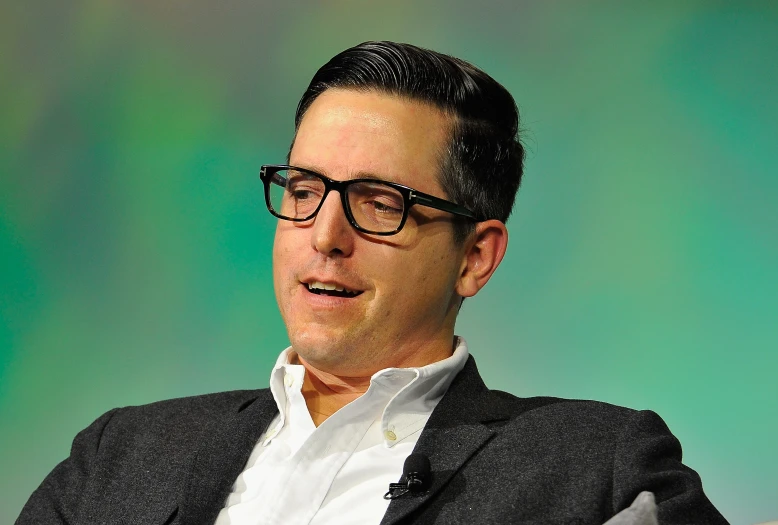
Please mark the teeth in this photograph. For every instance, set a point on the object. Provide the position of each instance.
(317, 285)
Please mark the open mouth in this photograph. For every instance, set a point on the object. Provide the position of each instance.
(334, 290)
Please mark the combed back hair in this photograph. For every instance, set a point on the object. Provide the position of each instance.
(483, 162)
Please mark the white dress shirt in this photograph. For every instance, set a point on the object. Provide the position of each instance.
(300, 474)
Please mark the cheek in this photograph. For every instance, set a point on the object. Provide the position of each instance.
(278, 262)
(438, 277)
(420, 279)
(286, 241)
(282, 260)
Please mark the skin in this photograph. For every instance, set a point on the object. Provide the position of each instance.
(411, 283)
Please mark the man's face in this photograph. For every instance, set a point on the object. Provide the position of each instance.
(404, 310)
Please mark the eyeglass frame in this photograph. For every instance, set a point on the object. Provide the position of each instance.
(410, 196)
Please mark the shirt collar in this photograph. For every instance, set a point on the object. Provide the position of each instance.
(414, 391)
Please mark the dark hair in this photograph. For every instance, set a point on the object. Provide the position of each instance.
(484, 159)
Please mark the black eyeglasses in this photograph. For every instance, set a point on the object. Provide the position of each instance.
(371, 206)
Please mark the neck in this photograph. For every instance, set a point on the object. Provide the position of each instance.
(326, 393)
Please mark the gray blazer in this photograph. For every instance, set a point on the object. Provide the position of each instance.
(495, 458)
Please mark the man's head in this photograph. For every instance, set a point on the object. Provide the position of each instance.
(419, 119)
(482, 161)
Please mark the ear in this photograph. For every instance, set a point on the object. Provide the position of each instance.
(484, 250)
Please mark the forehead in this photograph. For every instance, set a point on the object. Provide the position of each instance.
(348, 134)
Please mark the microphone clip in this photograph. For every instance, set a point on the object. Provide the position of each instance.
(414, 483)
(415, 478)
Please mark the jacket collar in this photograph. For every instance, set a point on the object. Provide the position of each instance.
(456, 429)
(223, 454)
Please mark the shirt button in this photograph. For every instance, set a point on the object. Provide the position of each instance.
(288, 379)
(391, 436)
(269, 436)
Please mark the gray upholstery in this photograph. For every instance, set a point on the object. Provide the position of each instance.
(641, 512)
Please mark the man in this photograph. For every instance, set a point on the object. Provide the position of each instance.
(400, 178)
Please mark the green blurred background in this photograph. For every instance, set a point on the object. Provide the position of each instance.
(135, 249)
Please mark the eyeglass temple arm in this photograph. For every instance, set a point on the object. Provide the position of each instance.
(440, 204)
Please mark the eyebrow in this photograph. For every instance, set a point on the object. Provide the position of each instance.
(357, 175)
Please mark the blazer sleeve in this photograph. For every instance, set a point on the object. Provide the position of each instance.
(648, 457)
(57, 499)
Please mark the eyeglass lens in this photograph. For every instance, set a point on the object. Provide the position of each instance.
(375, 206)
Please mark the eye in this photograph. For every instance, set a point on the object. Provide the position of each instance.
(386, 207)
(376, 197)
(304, 189)
(301, 193)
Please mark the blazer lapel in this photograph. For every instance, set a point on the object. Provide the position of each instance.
(222, 456)
(454, 432)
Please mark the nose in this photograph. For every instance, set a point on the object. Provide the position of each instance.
(331, 234)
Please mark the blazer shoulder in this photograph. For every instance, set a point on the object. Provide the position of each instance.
(191, 412)
(470, 398)
(562, 413)
(213, 401)
(524, 404)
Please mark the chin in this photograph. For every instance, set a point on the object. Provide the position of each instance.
(327, 361)
(318, 349)
(334, 358)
